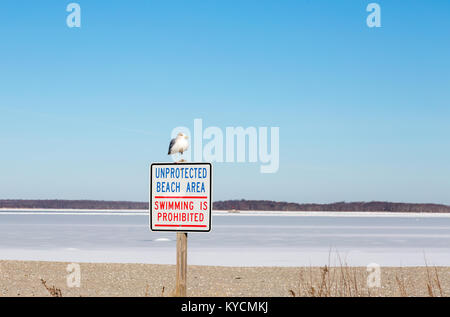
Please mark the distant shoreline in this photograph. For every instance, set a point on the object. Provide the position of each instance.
(137, 212)
(229, 205)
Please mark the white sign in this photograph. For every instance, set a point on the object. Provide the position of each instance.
(180, 197)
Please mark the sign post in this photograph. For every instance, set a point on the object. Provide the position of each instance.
(180, 286)
(180, 201)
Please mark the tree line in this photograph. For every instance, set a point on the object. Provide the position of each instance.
(265, 205)
(338, 206)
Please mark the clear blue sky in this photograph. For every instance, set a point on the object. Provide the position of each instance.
(364, 113)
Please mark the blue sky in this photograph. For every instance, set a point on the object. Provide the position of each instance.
(363, 112)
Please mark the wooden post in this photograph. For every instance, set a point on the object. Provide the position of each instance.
(180, 288)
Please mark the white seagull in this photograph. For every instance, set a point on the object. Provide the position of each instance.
(179, 144)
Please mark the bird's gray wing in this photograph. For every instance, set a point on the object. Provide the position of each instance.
(172, 142)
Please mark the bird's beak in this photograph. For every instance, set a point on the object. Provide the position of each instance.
(186, 137)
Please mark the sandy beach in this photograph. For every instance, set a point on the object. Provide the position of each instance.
(33, 278)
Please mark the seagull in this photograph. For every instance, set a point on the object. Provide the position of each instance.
(179, 144)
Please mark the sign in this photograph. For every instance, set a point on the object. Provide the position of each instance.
(180, 197)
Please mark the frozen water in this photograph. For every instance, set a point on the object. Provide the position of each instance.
(245, 239)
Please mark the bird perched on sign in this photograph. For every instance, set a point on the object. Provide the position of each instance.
(179, 144)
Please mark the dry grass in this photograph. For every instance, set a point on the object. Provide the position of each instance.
(433, 282)
(53, 291)
(343, 280)
(401, 284)
(332, 281)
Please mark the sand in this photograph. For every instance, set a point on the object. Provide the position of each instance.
(26, 278)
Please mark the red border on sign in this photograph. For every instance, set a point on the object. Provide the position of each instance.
(197, 197)
(180, 227)
(196, 226)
